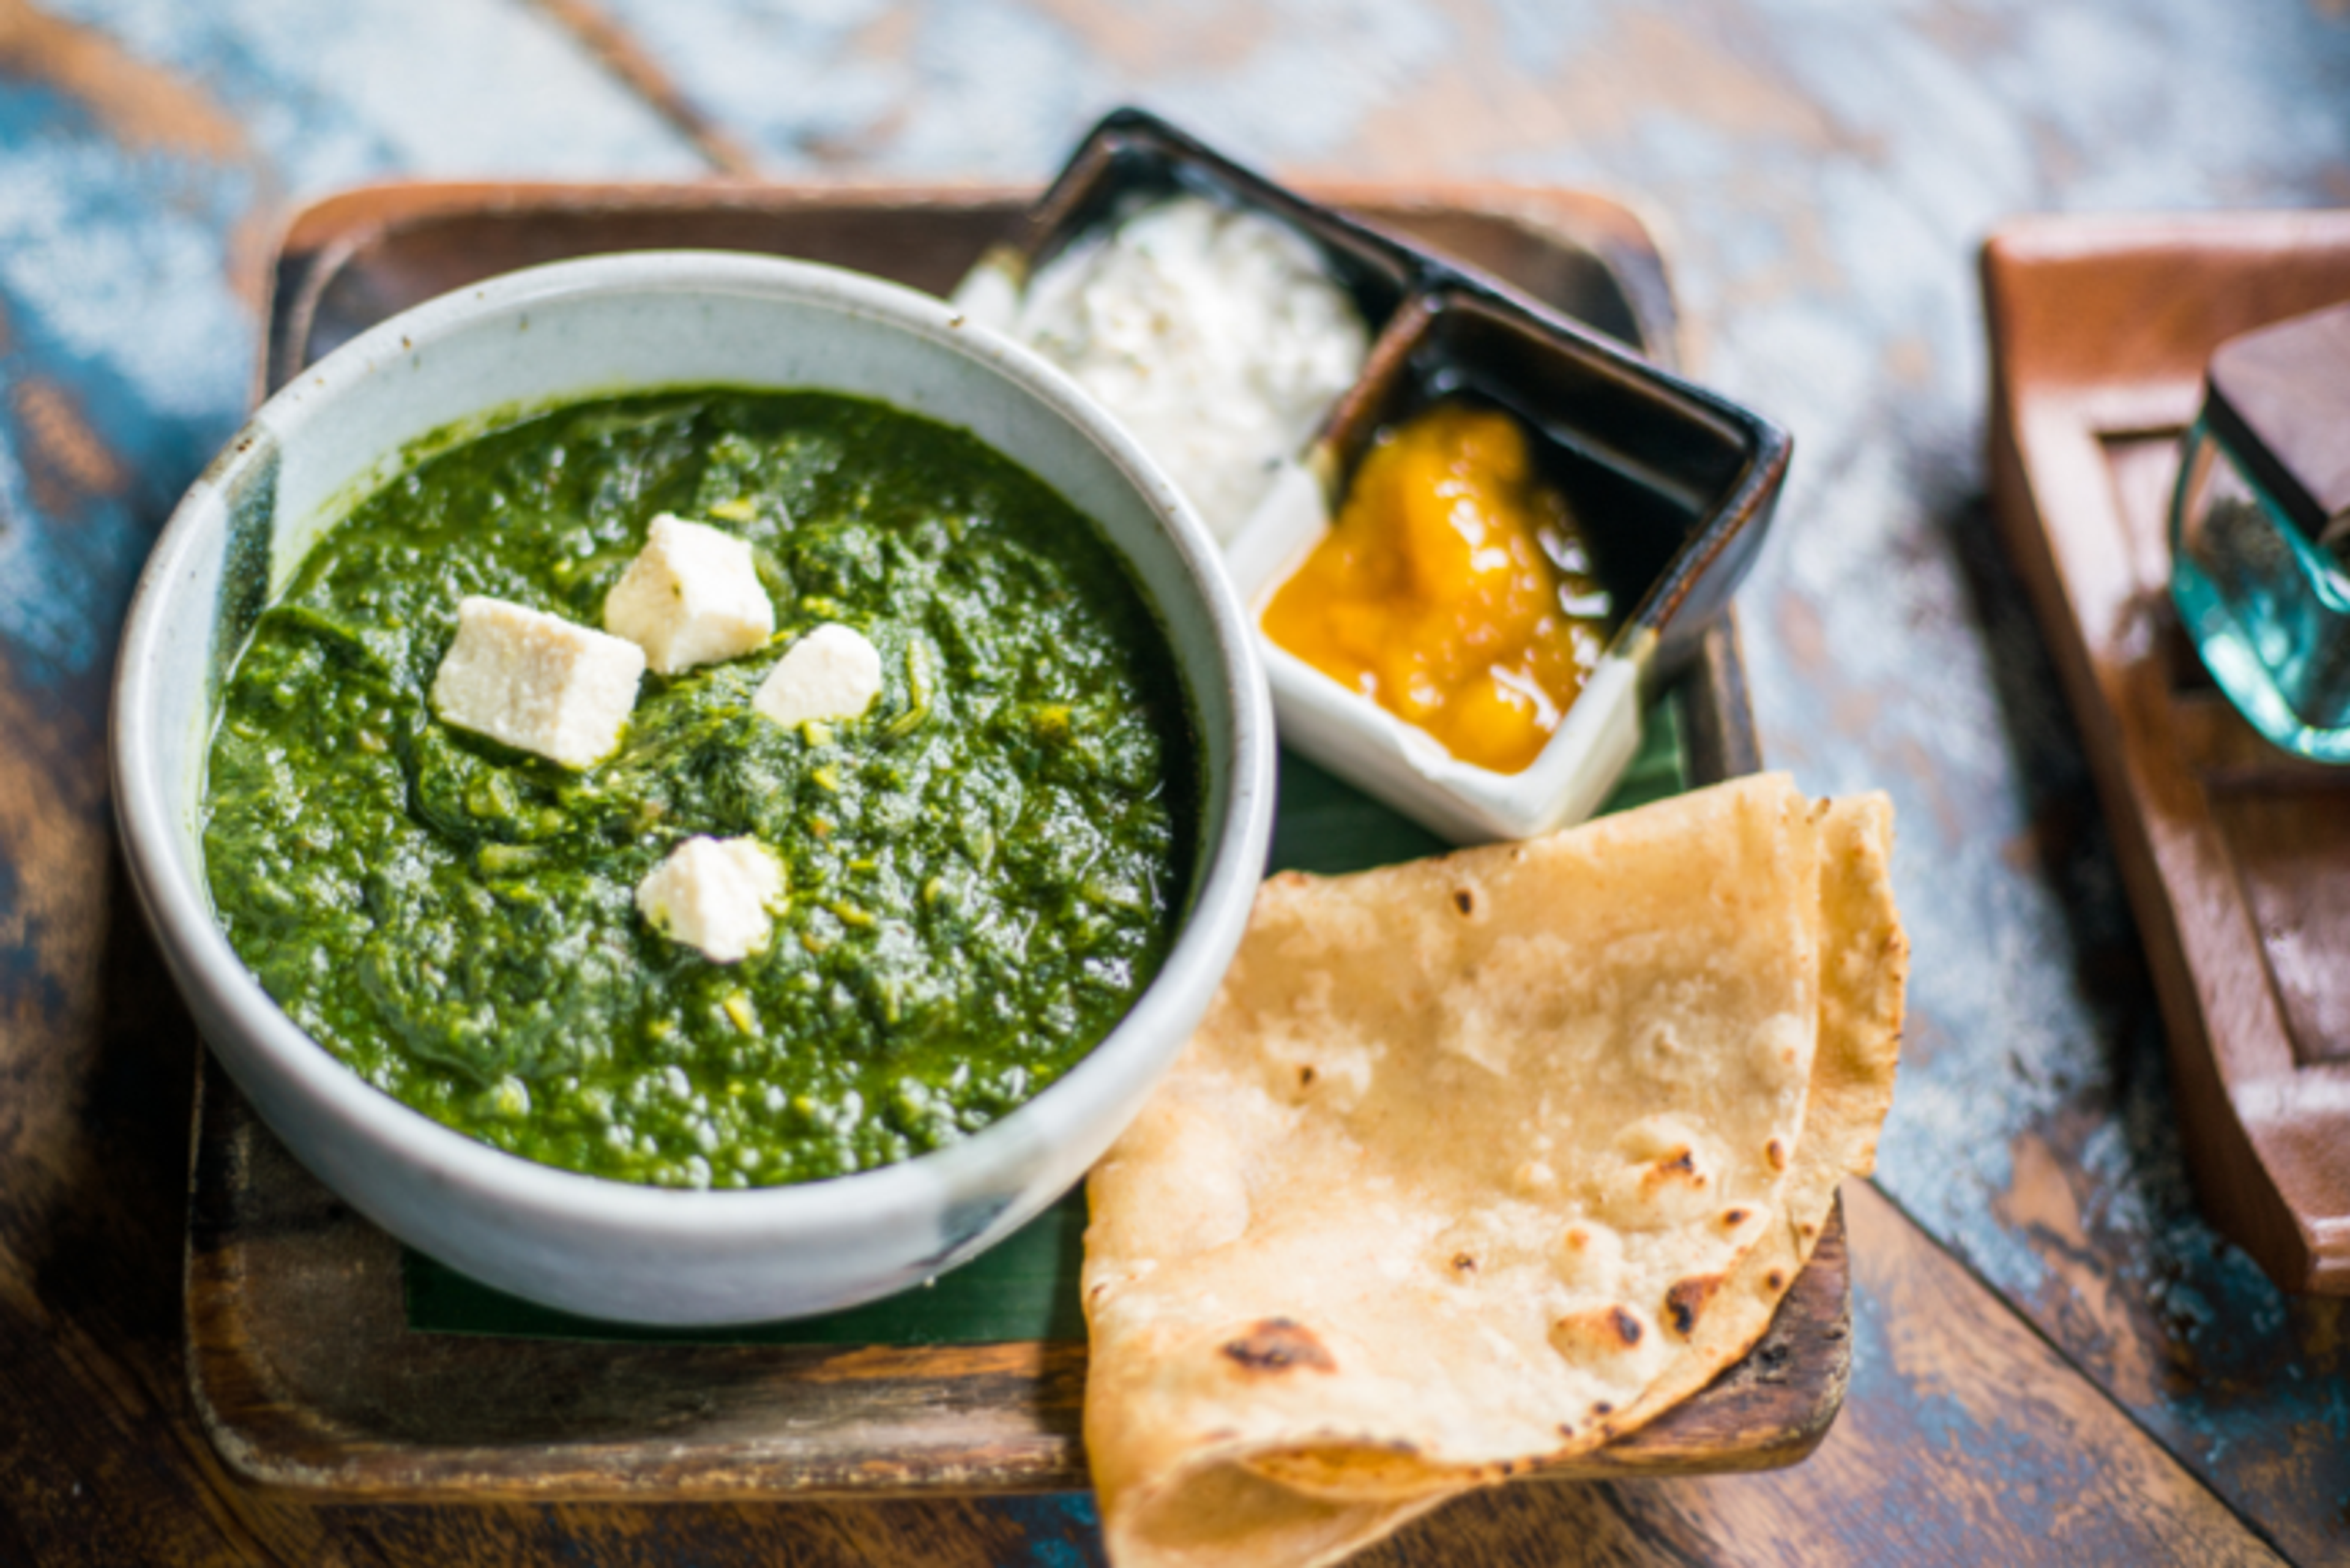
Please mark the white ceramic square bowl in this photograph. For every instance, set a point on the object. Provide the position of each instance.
(1674, 485)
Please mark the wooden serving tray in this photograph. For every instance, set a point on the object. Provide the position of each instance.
(2236, 854)
(305, 1360)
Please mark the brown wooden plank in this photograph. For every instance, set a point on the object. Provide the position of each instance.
(307, 1377)
(354, 258)
(2100, 330)
(2292, 849)
(1967, 1440)
(92, 1318)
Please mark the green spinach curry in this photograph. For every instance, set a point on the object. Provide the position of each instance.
(982, 872)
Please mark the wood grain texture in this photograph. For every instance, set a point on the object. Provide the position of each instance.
(2101, 333)
(1961, 1446)
(1822, 175)
(349, 260)
(620, 54)
(307, 1378)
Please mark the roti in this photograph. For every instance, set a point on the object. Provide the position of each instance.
(1482, 1161)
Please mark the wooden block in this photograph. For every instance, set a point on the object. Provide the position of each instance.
(2236, 856)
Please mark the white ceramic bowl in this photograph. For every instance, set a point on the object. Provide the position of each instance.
(584, 328)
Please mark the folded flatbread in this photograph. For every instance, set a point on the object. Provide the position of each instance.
(1482, 1161)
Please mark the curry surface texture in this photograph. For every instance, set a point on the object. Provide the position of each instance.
(985, 871)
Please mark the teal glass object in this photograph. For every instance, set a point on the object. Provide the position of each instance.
(2260, 531)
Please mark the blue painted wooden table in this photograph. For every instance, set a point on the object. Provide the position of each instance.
(2056, 1358)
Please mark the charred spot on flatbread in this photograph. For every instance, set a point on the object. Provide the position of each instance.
(1276, 1344)
(1582, 1336)
(1687, 1300)
(1581, 1081)
(1465, 1264)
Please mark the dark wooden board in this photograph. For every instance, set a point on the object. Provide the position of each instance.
(2237, 856)
(301, 1362)
(151, 150)
(348, 261)
(309, 1376)
(1968, 1439)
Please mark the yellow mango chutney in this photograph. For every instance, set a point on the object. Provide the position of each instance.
(1454, 590)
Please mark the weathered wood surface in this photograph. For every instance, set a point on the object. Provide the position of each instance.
(346, 262)
(1821, 176)
(306, 1376)
(2237, 865)
(1966, 1438)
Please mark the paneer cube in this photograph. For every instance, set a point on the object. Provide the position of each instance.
(833, 672)
(537, 683)
(691, 596)
(714, 894)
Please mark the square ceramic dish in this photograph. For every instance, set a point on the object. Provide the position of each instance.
(1675, 485)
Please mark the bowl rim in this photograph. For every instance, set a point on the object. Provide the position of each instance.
(1230, 846)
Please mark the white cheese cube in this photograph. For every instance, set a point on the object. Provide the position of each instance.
(714, 894)
(690, 596)
(537, 682)
(831, 673)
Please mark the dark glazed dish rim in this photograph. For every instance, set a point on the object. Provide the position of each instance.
(1131, 153)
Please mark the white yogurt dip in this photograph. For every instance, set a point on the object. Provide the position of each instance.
(1215, 335)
